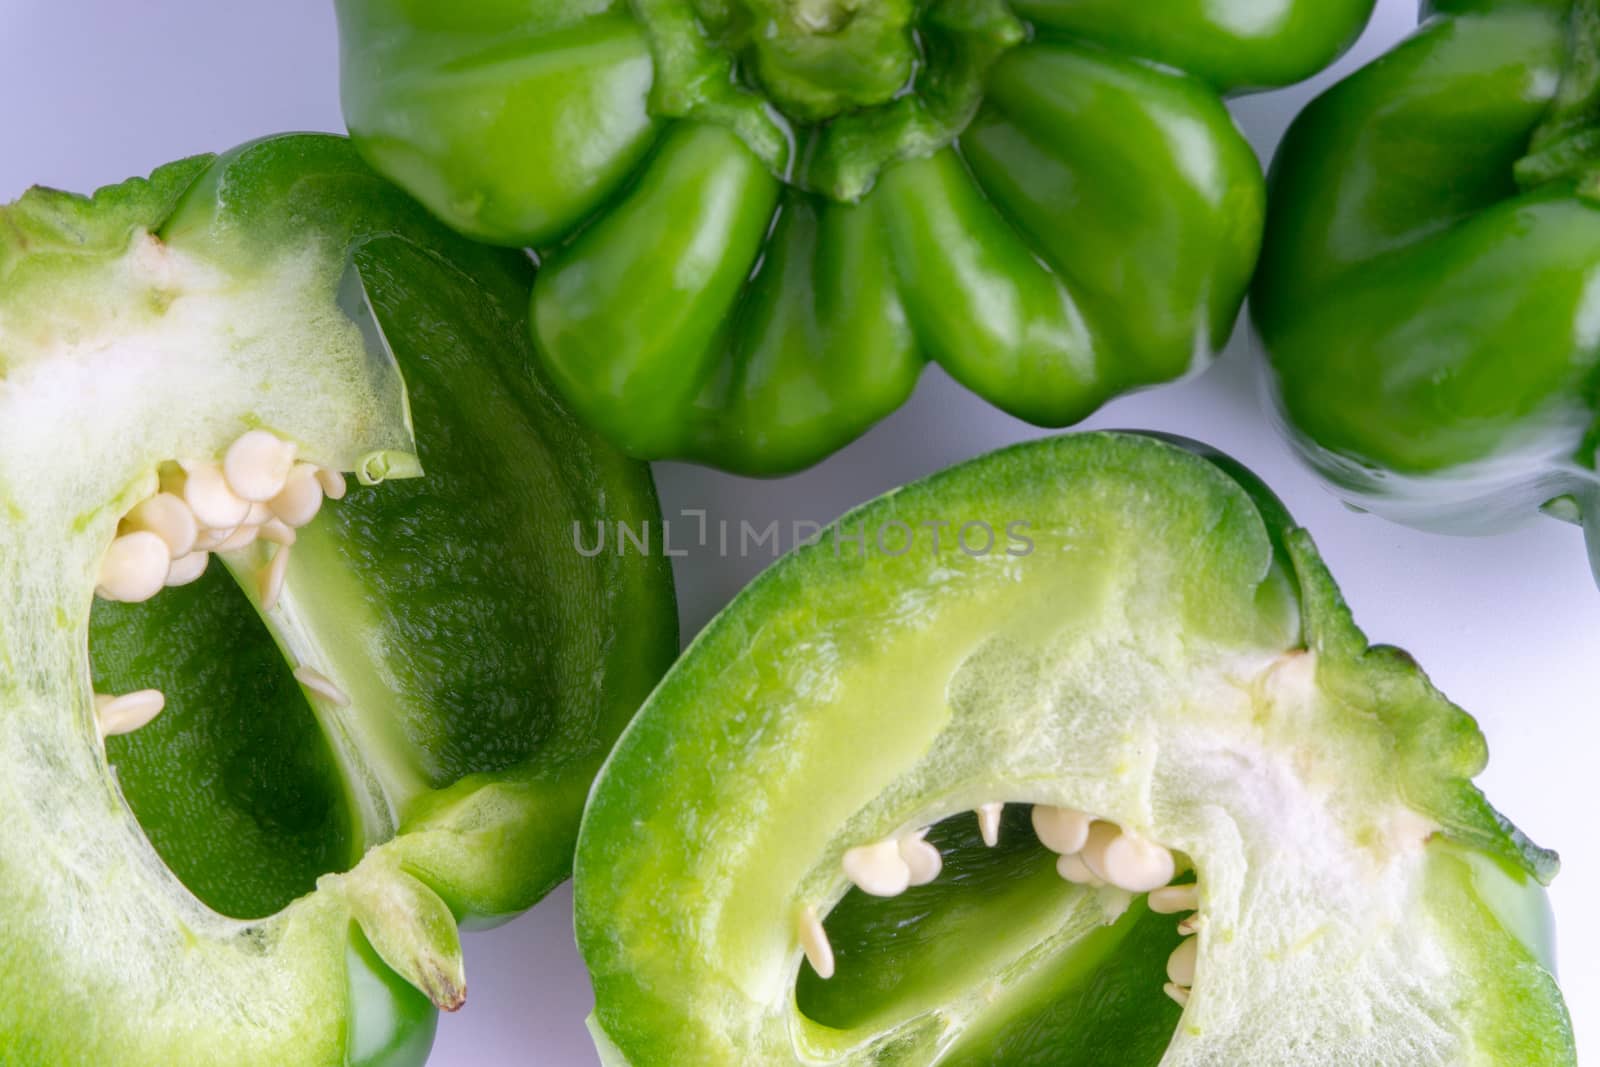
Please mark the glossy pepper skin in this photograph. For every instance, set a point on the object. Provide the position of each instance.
(1150, 639)
(265, 875)
(760, 219)
(1426, 292)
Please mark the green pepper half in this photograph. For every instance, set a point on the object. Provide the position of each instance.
(1201, 784)
(1427, 289)
(760, 219)
(379, 715)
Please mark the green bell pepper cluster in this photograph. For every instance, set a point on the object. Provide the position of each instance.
(1127, 785)
(1426, 289)
(759, 219)
(1169, 656)
(274, 870)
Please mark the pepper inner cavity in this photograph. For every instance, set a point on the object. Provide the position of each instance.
(217, 734)
(942, 911)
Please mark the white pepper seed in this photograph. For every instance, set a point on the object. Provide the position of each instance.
(1173, 899)
(922, 860)
(1133, 863)
(1181, 964)
(134, 567)
(209, 538)
(321, 685)
(1101, 834)
(989, 822)
(242, 537)
(208, 495)
(127, 712)
(814, 943)
(878, 869)
(332, 482)
(272, 577)
(166, 516)
(1061, 830)
(300, 498)
(1073, 869)
(278, 532)
(257, 464)
(186, 569)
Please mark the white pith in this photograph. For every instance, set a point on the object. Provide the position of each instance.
(155, 356)
(1313, 869)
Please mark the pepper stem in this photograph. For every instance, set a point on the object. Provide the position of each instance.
(1566, 145)
(822, 16)
(817, 59)
(407, 924)
(828, 92)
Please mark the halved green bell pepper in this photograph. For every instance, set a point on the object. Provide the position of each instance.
(274, 870)
(760, 219)
(1151, 644)
(1426, 292)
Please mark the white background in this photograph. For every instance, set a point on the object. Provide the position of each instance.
(97, 90)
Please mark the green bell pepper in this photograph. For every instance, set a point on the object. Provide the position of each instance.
(760, 219)
(1426, 292)
(1152, 666)
(274, 870)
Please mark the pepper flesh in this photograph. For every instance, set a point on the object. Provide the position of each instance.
(1425, 292)
(308, 874)
(760, 220)
(1167, 652)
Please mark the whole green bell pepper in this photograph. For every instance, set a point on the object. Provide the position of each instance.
(1237, 804)
(1426, 291)
(274, 870)
(760, 219)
